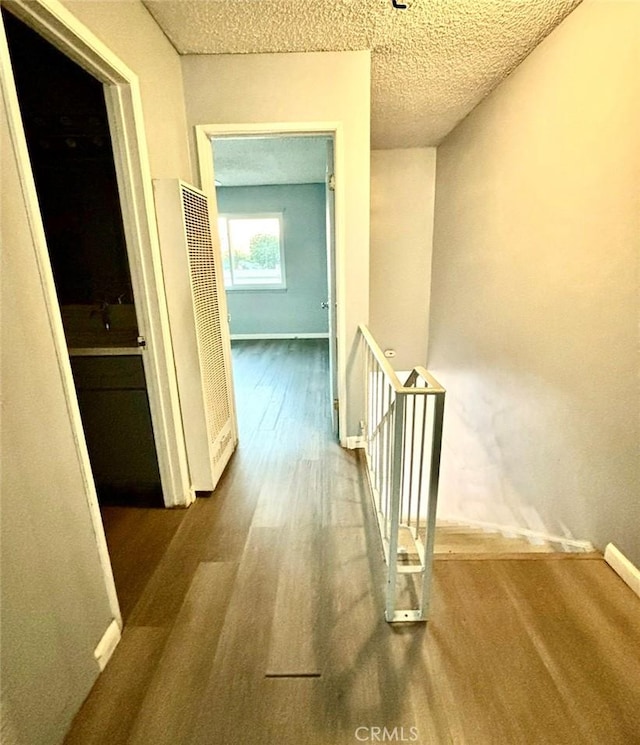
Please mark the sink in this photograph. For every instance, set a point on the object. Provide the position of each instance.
(84, 327)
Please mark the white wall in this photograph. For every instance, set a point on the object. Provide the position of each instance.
(55, 607)
(535, 292)
(402, 203)
(296, 309)
(297, 88)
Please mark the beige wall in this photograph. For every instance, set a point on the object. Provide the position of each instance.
(535, 302)
(128, 29)
(55, 606)
(315, 87)
(402, 202)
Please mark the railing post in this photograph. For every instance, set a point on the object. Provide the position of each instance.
(396, 485)
(434, 476)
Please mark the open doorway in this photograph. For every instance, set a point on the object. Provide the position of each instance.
(67, 130)
(86, 256)
(276, 219)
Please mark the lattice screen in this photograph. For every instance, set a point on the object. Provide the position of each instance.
(205, 295)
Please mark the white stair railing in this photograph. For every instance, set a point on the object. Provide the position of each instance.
(402, 429)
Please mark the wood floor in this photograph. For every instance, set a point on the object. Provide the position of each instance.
(261, 620)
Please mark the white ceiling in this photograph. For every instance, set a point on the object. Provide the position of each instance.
(249, 161)
(431, 63)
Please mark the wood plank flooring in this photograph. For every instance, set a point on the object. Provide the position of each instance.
(261, 618)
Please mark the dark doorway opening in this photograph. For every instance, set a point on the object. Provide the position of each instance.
(69, 142)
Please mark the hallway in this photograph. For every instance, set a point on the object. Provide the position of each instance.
(262, 621)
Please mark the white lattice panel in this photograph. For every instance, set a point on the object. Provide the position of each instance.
(199, 331)
(207, 310)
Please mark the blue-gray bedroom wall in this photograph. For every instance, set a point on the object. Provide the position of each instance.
(295, 310)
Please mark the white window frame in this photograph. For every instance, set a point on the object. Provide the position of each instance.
(259, 286)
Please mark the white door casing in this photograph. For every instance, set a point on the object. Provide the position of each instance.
(124, 106)
(204, 135)
(35, 241)
(331, 285)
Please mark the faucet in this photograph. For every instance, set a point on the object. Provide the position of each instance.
(104, 314)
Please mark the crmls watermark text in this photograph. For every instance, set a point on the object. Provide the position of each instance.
(384, 734)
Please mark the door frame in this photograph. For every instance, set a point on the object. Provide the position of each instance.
(330, 218)
(206, 132)
(124, 106)
(124, 109)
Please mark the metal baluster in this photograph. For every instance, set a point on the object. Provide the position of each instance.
(412, 446)
(425, 407)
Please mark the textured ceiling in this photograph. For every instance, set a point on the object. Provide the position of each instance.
(250, 161)
(431, 63)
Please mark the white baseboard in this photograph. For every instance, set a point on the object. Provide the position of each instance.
(507, 530)
(293, 335)
(355, 442)
(629, 573)
(107, 644)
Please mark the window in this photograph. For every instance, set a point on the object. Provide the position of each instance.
(252, 253)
